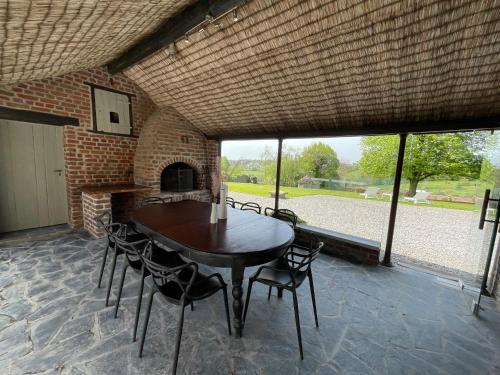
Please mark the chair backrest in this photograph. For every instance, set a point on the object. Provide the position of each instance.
(251, 206)
(230, 202)
(152, 200)
(300, 257)
(163, 274)
(132, 250)
(372, 190)
(283, 214)
(112, 230)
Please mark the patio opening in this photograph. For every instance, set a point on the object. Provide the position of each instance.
(249, 187)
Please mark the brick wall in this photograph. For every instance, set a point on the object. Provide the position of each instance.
(354, 249)
(166, 138)
(93, 206)
(90, 158)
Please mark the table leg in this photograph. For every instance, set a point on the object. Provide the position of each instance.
(237, 273)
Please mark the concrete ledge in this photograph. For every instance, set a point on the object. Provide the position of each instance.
(352, 248)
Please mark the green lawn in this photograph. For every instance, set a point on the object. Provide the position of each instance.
(458, 188)
(293, 192)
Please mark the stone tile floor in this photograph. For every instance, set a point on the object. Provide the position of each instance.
(372, 321)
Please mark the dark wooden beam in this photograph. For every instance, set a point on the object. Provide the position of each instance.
(7, 113)
(394, 200)
(171, 30)
(383, 129)
(278, 175)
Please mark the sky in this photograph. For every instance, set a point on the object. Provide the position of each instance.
(347, 148)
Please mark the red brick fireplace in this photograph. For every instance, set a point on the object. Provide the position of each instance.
(167, 139)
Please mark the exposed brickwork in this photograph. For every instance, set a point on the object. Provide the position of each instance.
(90, 158)
(94, 205)
(362, 251)
(163, 142)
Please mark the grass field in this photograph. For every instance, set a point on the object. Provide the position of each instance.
(293, 192)
(459, 188)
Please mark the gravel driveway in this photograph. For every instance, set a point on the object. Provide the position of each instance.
(441, 238)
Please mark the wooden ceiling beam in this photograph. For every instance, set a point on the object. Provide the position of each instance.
(444, 126)
(171, 30)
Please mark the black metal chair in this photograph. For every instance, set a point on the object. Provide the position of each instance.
(283, 214)
(181, 286)
(291, 218)
(251, 206)
(114, 230)
(297, 269)
(230, 202)
(154, 200)
(237, 204)
(132, 251)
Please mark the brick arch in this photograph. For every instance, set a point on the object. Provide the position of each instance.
(180, 159)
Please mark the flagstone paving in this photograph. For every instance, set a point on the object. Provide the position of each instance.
(373, 320)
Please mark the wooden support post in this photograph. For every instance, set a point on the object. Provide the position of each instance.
(278, 174)
(394, 201)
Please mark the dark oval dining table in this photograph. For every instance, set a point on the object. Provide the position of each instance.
(242, 240)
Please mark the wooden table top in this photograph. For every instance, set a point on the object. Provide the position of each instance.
(118, 188)
(188, 224)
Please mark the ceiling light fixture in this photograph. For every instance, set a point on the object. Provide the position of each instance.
(186, 39)
(235, 15)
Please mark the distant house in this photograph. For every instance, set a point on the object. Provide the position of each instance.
(308, 182)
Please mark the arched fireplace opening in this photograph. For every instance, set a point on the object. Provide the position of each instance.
(178, 177)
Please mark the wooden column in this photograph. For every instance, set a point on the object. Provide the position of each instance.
(394, 201)
(278, 174)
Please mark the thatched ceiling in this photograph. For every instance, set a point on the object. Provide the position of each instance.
(40, 39)
(285, 66)
(303, 65)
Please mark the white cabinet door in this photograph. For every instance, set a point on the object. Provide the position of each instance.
(112, 112)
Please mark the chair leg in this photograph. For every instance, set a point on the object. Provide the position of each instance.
(192, 306)
(111, 275)
(297, 321)
(226, 303)
(280, 292)
(269, 293)
(313, 296)
(178, 340)
(103, 265)
(250, 283)
(146, 321)
(120, 288)
(138, 306)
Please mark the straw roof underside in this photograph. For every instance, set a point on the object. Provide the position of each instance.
(41, 39)
(303, 65)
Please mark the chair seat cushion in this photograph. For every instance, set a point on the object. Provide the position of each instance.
(159, 256)
(280, 276)
(166, 258)
(134, 237)
(202, 287)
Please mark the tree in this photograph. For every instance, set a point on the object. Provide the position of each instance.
(292, 169)
(427, 155)
(230, 168)
(320, 160)
(268, 165)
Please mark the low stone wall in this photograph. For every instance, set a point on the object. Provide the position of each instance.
(352, 248)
